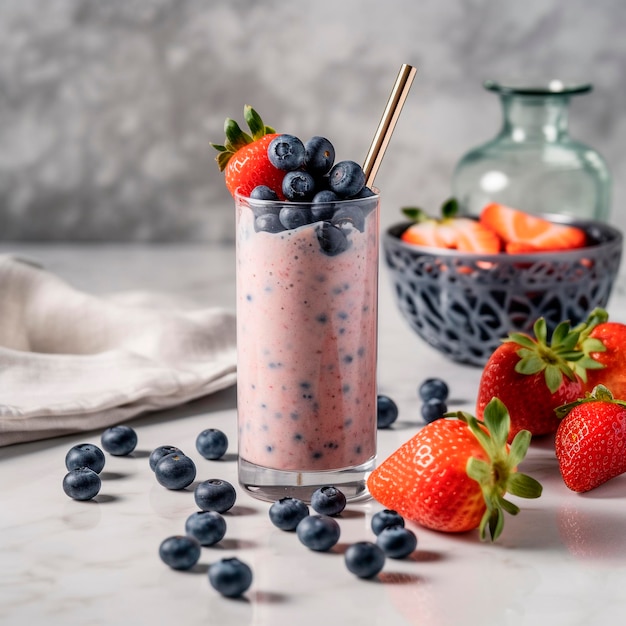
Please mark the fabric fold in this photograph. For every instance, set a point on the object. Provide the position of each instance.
(71, 362)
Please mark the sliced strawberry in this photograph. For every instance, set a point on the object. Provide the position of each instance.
(450, 231)
(243, 157)
(523, 232)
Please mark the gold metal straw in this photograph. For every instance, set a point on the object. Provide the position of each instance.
(388, 122)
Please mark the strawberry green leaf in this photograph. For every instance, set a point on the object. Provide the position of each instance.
(415, 214)
(478, 470)
(553, 377)
(235, 137)
(508, 506)
(254, 122)
(450, 208)
(530, 364)
(519, 447)
(540, 329)
(524, 486)
(523, 340)
(218, 147)
(498, 422)
(222, 160)
(561, 333)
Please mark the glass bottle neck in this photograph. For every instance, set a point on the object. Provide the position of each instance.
(534, 118)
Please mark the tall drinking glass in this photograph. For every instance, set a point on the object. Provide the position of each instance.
(307, 345)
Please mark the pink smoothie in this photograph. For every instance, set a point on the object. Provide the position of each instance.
(307, 340)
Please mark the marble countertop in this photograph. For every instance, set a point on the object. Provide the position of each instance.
(561, 561)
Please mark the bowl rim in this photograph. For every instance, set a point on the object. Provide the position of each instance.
(613, 234)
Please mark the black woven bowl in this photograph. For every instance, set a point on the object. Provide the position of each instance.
(464, 304)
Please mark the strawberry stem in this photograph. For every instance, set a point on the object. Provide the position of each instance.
(499, 474)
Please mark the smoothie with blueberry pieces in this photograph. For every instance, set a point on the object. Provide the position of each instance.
(307, 345)
(307, 273)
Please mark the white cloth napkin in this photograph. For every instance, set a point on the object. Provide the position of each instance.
(73, 362)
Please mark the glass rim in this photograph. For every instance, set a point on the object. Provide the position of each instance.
(543, 87)
(306, 204)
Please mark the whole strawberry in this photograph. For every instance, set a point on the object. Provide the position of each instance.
(533, 376)
(609, 341)
(452, 476)
(590, 442)
(243, 157)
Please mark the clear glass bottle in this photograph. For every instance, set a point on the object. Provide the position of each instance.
(533, 164)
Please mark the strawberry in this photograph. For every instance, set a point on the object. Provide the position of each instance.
(609, 340)
(522, 232)
(459, 233)
(533, 376)
(243, 157)
(590, 442)
(453, 474)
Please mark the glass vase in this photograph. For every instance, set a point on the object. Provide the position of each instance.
(533, 164)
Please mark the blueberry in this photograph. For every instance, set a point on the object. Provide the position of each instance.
(158, 453)
(433, 388)
(318, 532)
(322, 210)
(175, 471)
(207, 527)
(384, 519)
(179, 552)
(81, 483)
(85, 455)
(364, 559)
(433, 409)
(212, 443)
(287, 512)
(346, 178)
(215, 495)
(319, 155)
(386, 413)
(286, 152)
(365, 192)
(231, 577)
(328, 500)
(396, 541)
(348, 217)
(332, 240)
(299, 186)
(263, 192)
(119, 440)
(269, 223)
(293, 217)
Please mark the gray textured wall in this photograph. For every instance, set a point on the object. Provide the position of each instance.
(107, 106)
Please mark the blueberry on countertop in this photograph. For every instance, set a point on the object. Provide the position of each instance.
(288, 512)
(364, 559)
(158, 453)
(119, 440)
(386, 411)
(433, 409)
(328, 500)
(318, 532)
(286, 152)
(207, 527)
(385, 518)
(397, 541)
(81, 483)
(433, 388)
(215, 495)
(85, 455)
(212, 443)
(180, 552)
(231, 577)
(175, 471)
